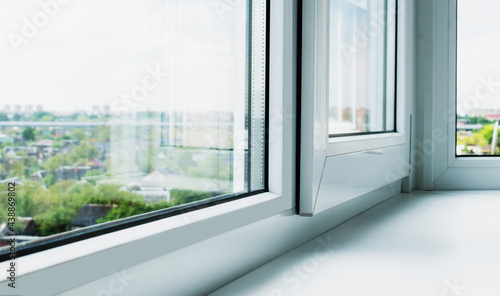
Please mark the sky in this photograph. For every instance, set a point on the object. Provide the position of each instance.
(478, 41)
(97, 52)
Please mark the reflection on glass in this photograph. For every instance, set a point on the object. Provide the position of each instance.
(478, 76)
(118, 109)
(362, 66)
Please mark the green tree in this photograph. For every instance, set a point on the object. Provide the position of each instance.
(101, 133)
(82, 154)
(29, 134)
(47, 118)
(4, 117)
(49, 180)
(487, 133)
(128, 209)
(26, 204)
(78, 134)
(82, 117)
(54, 162)
(32, 164)
(211, 167)
(478, 139)
(92, 173)
(16, 117)
(180, 197)
(178, 161)
(42, 116)
(21, 153)
(19, 169)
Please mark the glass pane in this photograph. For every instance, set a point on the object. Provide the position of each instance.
(478, 78)
(362, 66)
(112, 109)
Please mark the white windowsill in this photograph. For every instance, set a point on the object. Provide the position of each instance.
(171, 234)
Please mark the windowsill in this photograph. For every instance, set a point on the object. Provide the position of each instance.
(160, 237)
(407, 241)
(205, 266)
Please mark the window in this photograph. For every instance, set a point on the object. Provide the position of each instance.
(478, 73)
(348, 97)
(116, 115)
(362, 69)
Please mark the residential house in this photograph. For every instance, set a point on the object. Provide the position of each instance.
(70, 172)
(27, 227)
(38, 176)
(89, 214)
(67, 147)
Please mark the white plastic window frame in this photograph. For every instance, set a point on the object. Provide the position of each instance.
(316, 144)
(161, 237)
(453, 160)
(357, 143)
(316, 20)
(442, 169)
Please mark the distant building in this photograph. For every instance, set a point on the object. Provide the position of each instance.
(483, 112)
(104, 147)
(38, 176)
(106, 109)
(493, 117)
(153, 186)
(27, 225)
(18, 109)
(28, 109)
(6, 139)
(33, 152)
(19, 140)
(48, 152)
(11, 151)
(469, 127)
(70, 173)
(66, 148)
(97, 163)
(11, 180)
(89, 214)
(39, 108)
(58, 132)
(96, 110)
(43, 143)
(7, 109)
(40, 148)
